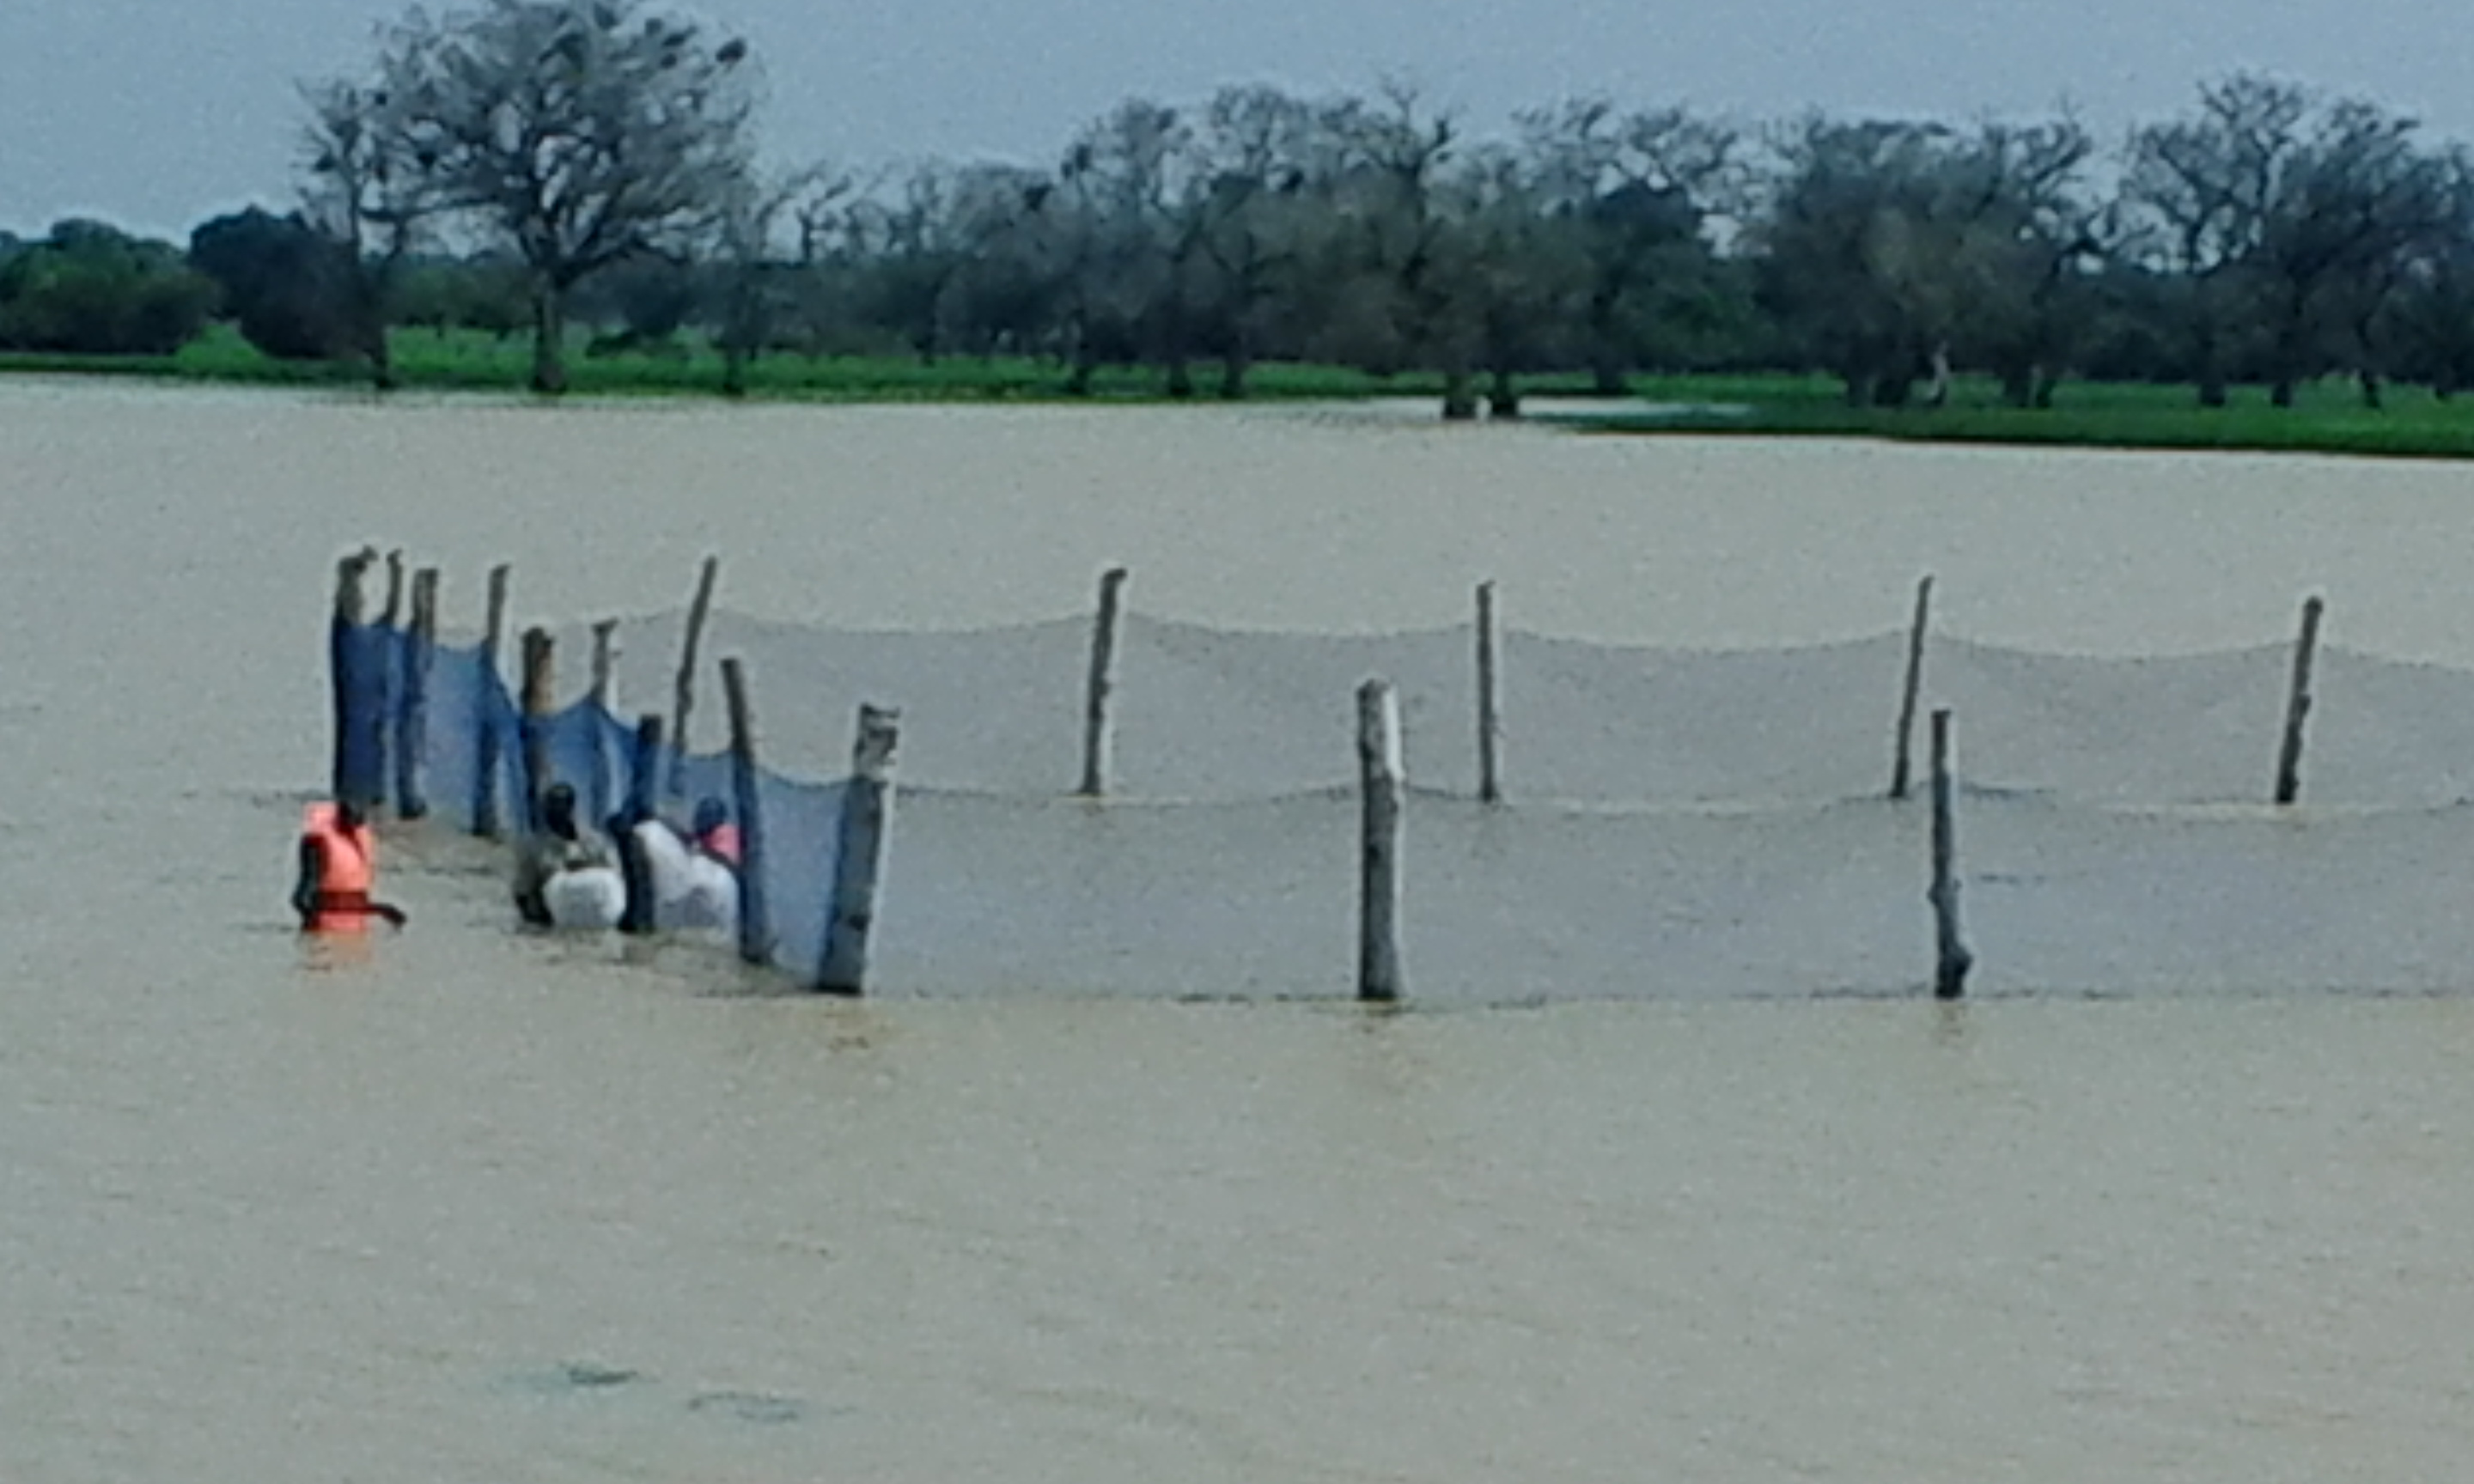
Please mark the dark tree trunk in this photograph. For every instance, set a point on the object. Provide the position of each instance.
(1503, 398)
(2375, 394)
(1607, 359)
(2045, 381)
(2019, 386)
(1233, 369)
(381, 359)
(2280, 392)
(550, 336)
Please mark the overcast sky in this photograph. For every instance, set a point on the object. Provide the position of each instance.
(158, 113)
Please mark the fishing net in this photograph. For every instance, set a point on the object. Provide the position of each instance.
(1679, 822)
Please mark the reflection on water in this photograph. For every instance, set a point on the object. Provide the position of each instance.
(464, 1204)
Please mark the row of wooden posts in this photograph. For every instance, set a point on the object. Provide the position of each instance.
(374, 708)
(868, 800)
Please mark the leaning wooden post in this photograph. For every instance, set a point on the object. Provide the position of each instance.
(683, 700)
(538, 707)
(1098, 742)
(858, 856)
(485, 772)
(642, 784)
(412, 697)
(755, 922)
(1950, 960)
(1379, 773)
(1914, 689)
(600, 784)
(2297, 704)
(359, 691)
(1489, 728)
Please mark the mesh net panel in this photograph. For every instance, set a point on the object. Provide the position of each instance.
(1682, 822)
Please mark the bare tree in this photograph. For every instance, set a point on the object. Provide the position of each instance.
(1388, 200)
(1260, 172)
(369, 201)
(2032, 231)
(1858, 240)
(2205, 184)
(752, 210)
(580, 132)
(1637, 189)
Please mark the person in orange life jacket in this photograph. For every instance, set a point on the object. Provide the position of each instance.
(338, 870)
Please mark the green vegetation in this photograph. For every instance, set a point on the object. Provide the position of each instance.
(540, 194)
(474, 361)
(2327, 416)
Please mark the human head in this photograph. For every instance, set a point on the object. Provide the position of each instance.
(558, 810)
(710, 816)
(349, 814)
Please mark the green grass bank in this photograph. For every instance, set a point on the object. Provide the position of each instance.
(2327, 418)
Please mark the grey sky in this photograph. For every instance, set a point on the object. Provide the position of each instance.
(157, 113)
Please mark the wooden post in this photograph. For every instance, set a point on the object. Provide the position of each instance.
(601, 785)
(858, 857)
(1489, 728)
(2297, 704)
(1951, 958)
(412, 697)
(1097, 744)
(1379, 774)
(395, 588)
(643, 782)
(684, 701)
(485, 773)
(1914, 689)
(391, 669)
(538, 707)
(754, 920)
(358, 683)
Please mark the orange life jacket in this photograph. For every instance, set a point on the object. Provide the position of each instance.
(348, 870)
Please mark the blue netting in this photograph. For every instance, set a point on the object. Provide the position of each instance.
(1683, 821)
(470, 715)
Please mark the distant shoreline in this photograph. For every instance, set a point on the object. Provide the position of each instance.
(2328, 418)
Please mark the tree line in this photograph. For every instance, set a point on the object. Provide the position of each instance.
(530, 164)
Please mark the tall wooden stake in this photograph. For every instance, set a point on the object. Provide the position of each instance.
(755, 922)
(389, 644)
(1490, 726)
(2297, 704)
(412, 697)
(357, 680)
(1914, 689)
(485, 773)
(603, 696)
(537, 711)
(1951, 958)
(1098, 743)
(858, 857)
(1379, 774)
(683, 701)
(393, 588)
